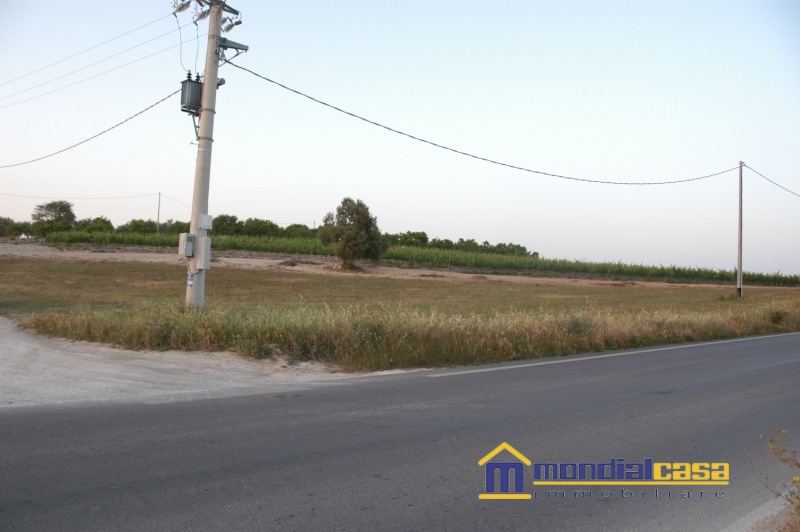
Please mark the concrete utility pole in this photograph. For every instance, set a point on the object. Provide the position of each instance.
(739, 265)
(197, 246)
(196, 280)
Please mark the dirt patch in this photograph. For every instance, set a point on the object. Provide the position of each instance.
(348, 268)
(292, 262)
(484, 279)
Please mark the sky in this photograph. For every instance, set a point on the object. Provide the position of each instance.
(630, 91)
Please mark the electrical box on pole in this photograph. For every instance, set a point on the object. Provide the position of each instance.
(191, 93)
(202, 253)
(186, 245)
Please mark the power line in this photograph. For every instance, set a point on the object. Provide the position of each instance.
(92, 64)
(96, 198)
(197, 47)
(771, 181)
(92, 77)
(94, 136)
(86, 50)
(176, 201)
(485, 159)
(180, 38)
(59, 198)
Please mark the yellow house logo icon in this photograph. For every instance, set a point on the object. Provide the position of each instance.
(505, 468)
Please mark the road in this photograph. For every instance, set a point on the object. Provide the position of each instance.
(401, 452)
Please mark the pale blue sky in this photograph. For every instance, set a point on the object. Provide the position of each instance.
(625, 91)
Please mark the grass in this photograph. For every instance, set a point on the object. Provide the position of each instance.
(367, 323)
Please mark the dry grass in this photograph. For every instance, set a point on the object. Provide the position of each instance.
(362, 322)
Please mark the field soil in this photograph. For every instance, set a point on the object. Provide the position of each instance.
(300, 264)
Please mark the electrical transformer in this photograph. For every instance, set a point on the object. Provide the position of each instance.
(191, 93)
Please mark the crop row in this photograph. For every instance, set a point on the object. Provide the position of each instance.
(461, 259)
(294, 246)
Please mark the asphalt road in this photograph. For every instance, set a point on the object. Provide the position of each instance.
(401, 452)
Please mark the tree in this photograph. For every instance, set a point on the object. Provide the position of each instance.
(299, 231)
(227, 224)
(53, 216)
(174, 227)
(19, 228)
(101, 224)
(409, 238)
(441, 244)
(257, 227)
(4, 223)
(353, 232)
(143, 227)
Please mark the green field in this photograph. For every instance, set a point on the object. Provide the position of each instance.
(364, 322)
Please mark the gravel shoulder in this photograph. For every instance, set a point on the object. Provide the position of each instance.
(35, 370)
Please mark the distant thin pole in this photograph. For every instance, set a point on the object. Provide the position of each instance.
(158, 217)
(739, 265)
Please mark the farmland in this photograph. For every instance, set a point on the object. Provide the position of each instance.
(445, 258)
(375, 320)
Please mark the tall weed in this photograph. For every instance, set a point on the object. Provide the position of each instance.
(360, 338)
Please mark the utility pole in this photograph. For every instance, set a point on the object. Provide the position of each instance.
(196, 246)
(739, 265)
(158, 216)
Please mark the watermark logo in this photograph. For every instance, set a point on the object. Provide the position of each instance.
(506, 469)
(615, 472)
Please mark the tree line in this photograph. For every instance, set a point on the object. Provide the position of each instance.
(352, 221)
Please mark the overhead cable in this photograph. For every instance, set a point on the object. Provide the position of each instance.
(180, 38)
(86, 50)
(771, 181)
(485, 159)
(93, 77)
(91, 64)
(176, 201)
(93, 198)
(94, 136)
